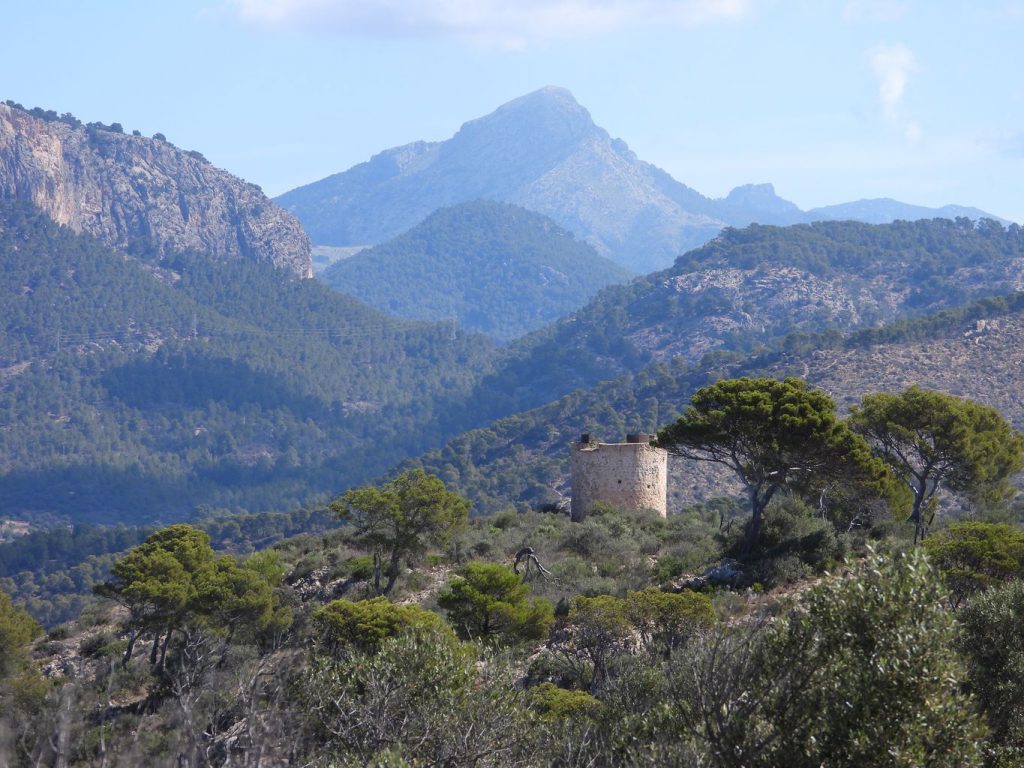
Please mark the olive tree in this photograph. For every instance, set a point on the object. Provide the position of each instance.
(992, 643)
(421, 698)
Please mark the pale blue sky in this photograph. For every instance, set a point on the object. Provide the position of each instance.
(830, 101)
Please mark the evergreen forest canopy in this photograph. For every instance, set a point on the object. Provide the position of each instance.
(492, 267)
(136, 393)
(130, 393)
(733, 295)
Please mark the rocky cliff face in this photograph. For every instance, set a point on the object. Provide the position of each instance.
(134, 193)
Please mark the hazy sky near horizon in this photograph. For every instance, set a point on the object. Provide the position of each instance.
(830, 100)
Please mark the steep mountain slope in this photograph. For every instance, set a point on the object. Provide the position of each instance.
(141, 195)
(749, 288)
(492, 267)
(523, 460)
(542, 151)
(135, 393)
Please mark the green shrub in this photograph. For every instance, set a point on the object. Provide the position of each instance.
(862, 673)
(972, 556)
(419, 696)
(359, 568)
(554, 703)
(992, 642)
(668, 567)
(95, 614)
(60, 632)
(364, 625)
(490, 601)
(505, 520)
(482, 548)
(666, 620)
(92, 645)
(795, 544)
(777, 571)
(416, 581)
(50, 647)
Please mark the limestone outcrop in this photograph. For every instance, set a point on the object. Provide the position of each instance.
(143, 195)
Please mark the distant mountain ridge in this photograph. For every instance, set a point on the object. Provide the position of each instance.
(885, 210)
(137, 194)
(130, 392)
(543, 152)
(494, 268)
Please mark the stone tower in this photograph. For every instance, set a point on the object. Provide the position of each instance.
(632, 475)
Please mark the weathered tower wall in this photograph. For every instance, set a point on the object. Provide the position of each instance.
(631, 475)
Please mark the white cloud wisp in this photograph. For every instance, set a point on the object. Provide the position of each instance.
(491, 23)
(893, 65)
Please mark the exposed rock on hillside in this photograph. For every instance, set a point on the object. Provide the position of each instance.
(134, 193)
(526, 456)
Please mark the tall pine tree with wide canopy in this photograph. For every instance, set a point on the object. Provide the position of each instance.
(774, 435)
(931, 439)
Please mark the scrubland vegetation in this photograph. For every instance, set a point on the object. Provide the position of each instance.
(416, 635)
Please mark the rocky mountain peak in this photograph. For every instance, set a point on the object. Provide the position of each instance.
(138, 194)
(547, 102)
(538, 129)
(761, 198)
(543, 152)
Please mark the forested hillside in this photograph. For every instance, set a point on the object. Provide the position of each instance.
(974, 352)
(748, 289)
(133, 393)
(491, 267)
